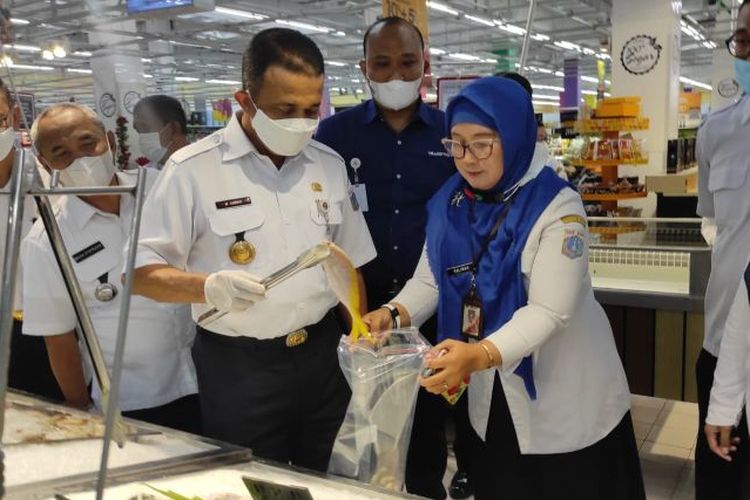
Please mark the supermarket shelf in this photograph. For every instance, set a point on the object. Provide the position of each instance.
(613, 197)
(612, 125)
(608, 163)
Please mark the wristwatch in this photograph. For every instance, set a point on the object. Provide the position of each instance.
(395, 315)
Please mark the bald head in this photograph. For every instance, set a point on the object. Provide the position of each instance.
(65, 132)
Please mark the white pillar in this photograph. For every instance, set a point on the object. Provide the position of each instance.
(646, 63)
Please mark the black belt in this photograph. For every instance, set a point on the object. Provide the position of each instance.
(322, 333)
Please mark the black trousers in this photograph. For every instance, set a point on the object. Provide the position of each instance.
(285, 403)
(29, 366)
(607, 470)
(183, 414)
(716, 479)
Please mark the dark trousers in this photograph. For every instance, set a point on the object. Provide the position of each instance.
(183, 414)
(285, 403)
(29, 366)
(607, 470)
(716, 479)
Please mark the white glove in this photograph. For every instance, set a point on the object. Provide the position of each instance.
(233, 290)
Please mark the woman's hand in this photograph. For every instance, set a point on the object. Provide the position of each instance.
(380, 320)
(720, 440)
(459, 361)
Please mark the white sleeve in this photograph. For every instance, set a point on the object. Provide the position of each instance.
(731, 375)
(47, 309)
(167, 223)
(705, 198)
(352, 235)
(558, 273)
(420, 294)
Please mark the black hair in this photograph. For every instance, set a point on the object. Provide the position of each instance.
(167, 108)
(5, 91)
(519, 79)
(390, 21)
(743, 4)
(283, 47)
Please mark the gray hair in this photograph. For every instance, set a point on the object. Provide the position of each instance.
(56, 108)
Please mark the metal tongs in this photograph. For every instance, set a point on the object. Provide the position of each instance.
(307, 259)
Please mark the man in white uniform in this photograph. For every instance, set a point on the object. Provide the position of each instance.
(158, 382)
(239, 205)
(722, 152)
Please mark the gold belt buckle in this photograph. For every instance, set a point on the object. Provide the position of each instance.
(18, 315)
(297, 337)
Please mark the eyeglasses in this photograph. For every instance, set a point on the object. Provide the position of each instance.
(481, 148)
(739, 45)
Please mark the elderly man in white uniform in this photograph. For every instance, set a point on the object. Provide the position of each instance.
(239, 205)
(158, 383)
(722, 152)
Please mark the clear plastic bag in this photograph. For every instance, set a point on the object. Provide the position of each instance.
(373, 441)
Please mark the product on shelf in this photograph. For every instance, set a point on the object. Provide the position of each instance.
(618, 107)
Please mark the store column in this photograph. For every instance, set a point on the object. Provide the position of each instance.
(646, 63)
(119, 83)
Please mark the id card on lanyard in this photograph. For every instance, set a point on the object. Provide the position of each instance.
(359, 190)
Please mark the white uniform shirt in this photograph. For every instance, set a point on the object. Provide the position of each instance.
(582, 391)
(158, 367)
(723, 155)
(281, 212)
(731, 389)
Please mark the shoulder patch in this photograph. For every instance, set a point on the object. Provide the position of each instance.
(574, 219)
(573, 244)
(206, 144)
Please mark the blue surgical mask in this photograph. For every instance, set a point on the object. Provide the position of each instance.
(742, 73)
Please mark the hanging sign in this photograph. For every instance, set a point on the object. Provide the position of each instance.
(448, 88)
(414, 11)
(640, 54)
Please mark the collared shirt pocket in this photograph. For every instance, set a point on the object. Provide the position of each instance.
(234, 224)
(325, 212)
(728, 175)
(92, 265)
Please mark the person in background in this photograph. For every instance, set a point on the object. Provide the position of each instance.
(391, 146)
(724, 203)
(158, 381)
(29, 370)
(162, 128)
(241, 204)
(507, 238)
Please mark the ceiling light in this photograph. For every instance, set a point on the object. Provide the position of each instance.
(437, 52)
(32, 67)
(511, 28)
(19, 22)
(79, 70)
(359, 91)
(25, 48)
(463, 57)
(442, 8)
(545, 103)
(336, 63)
(695, 83)
(542, 96)
(489, 61)
(47, 55)
(709, 44)
(223, 82)
(547, 87)
(539, 37)
(338, 33)
(186, 79)
(559, 73)
(591, 79)
(146, 60)
(568, 45)
(6, 60)
(304, 26)
(239, 13)
(480, 20)
(146, 75)
(59, 51)
(545, 71)
(82, 53)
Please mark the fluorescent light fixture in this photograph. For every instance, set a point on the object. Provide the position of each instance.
(19, 22)
(359, 91)
(546, 71)
(146, 60)
(356, 80)
(463, 57)
(32, 67)
(604, 56)
(587, 51)
(511, 28)
(78, 70)
(304, 26)
(146, 75)
(25, 48)
(186, 79)
(543, 96)
(336, 63)
(539, 37)
(239, 13)
(338, 33)
(568, 45)
(223, 82)
(82, 53)
(442, 8)
(480, 20)
(489, 61)
(695, 83)
(545, 103)
(47, 55)
(587, 92)
(437, 52)
(589, 79)
(547, 87)
(560, 74)
(709, 44)
(59, 51)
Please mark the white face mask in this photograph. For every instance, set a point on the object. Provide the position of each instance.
(285, 137)
(150, 144)
(395, 94)
(89, 171)
(7, 140)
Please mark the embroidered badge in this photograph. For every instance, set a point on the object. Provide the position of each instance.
(573, 245)
(317, 187)
(574, 219)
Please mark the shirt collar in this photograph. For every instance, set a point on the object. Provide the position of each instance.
(236, 142)
(81, 212)
(371, 113)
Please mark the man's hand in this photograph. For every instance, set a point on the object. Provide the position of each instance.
(720, 440)
(233, 290)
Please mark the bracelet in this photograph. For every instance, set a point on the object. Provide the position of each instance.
(395, 315)
(487, 351)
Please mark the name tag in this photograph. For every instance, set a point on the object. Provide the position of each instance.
(234, 202)
(360, 194)
(88, 252)
(462, 269)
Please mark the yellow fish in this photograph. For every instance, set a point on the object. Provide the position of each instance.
(342, 278)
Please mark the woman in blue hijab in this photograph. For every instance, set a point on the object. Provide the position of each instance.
(506, 266)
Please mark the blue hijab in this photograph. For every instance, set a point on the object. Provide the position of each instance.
(458, 223)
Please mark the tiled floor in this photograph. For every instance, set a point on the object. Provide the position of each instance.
(666, 432)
